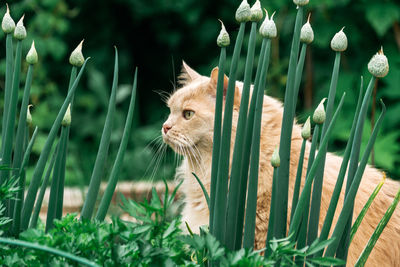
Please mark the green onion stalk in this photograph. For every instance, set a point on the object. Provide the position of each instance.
(39, 200)
(223, 41)
(318, 119)
(361, 216)
(246, 155)
(234, 242)
(286, 133)
(251, 205)
(55, 208)
(275, 162)
(8, 27)
(39, 169)
(378, 66)
(378, 231)
(98, 169)
(342, 172)
(112, 182)
(20, 196)
(345, 214)
(22, 129)
(339, 45)
(305, 194)
(305, 134)
(243, 14)
(306, 38)
(7, 142)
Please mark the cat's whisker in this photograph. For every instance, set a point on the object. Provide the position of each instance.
(158, 162)
(152, 160)
(155, 160)
(197, 155)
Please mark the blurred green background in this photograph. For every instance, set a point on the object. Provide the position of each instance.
(156, 35)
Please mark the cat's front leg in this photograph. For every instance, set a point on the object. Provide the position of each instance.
(194, 217)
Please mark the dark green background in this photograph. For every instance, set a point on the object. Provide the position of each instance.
(156, 35)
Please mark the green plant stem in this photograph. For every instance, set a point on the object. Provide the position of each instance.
(22, 130)
(353, 164)
(98, 169)
(54, 251)
(248, 137)
(41, 163)
(305, 194)
(342, 172)
(378, 231)
(223, 168)
(217, 133)
(268, 250)
(7, 89)
(21, 184)
(56, 199)
(206, 196)
(251, 206)
(8, 141)
(234, 242)
(302, 236)
(312, 232)
(39, 200)
(286, 133)
(112, 183)
(56, 190)
(349, 199)
(361, 216)
(22, 126)
(299, 74)
(297, 183)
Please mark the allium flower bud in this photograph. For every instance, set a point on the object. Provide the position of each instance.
(307, 33)
(8, 24)
(32, 56)
(243, 13)
(306, 131)
(223, 39)
(378, 65)
(275, 159)
(76, 59)
(319, 113)
(28, 115)
(268, 27)
(339, 41)
(300, 2)
(256, 12)
(67, 117)
(20, 31)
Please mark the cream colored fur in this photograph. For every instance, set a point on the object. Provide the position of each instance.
(193, 139)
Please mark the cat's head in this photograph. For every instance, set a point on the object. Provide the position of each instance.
(189, 127)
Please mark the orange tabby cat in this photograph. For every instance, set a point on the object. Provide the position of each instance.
(189, 131)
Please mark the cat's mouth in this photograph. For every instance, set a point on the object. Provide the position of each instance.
(180, 144)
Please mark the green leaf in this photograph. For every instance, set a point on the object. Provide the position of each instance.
(327, 261)
(382, 16)
(318, 246)
(171, 228)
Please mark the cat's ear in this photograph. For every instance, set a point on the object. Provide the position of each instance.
(213, 86)
(214, 80)
(188, 74)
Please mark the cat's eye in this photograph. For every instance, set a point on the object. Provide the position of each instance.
(188, 114)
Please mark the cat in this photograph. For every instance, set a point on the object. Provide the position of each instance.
(189, 132)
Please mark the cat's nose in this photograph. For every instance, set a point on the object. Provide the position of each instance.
(166, 128)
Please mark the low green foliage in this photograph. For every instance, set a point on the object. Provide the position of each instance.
(154, 238)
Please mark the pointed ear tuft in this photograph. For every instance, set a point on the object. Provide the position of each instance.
(187, 75)
(214, 80)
